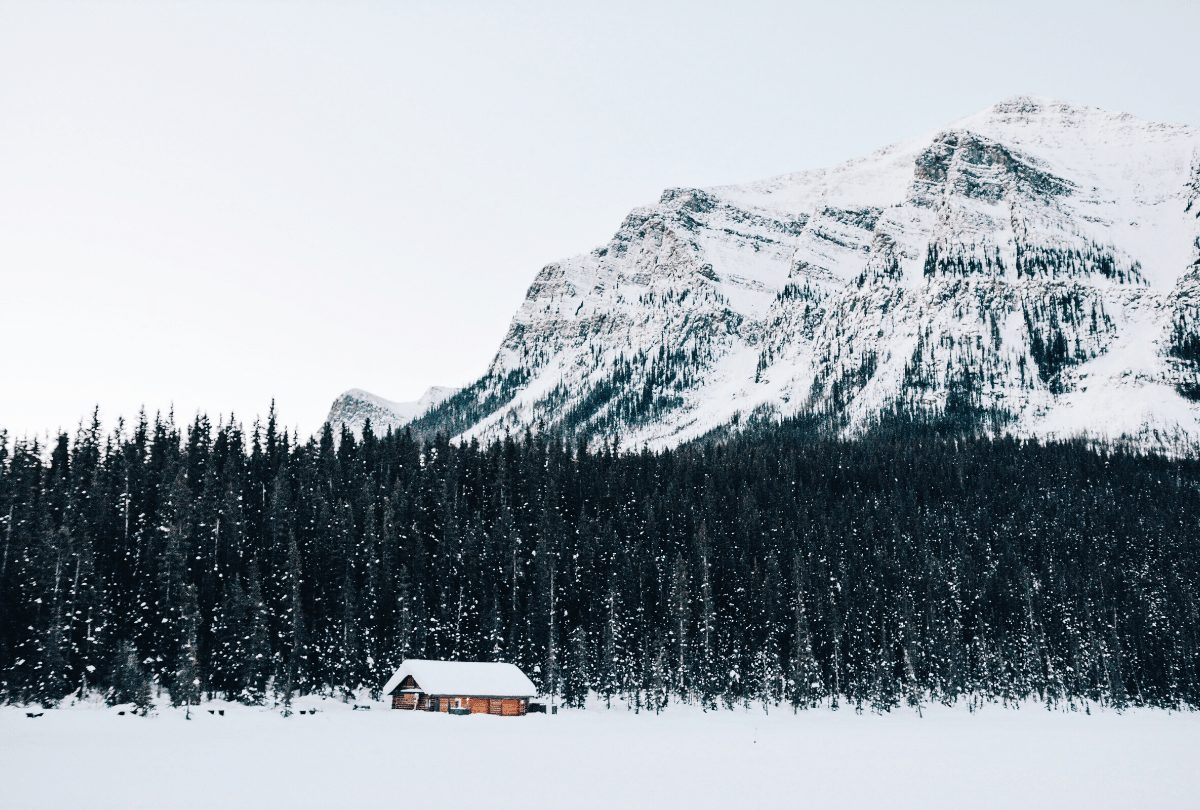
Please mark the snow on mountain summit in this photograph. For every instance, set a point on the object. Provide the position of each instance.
(356, 406)
(1035, 265)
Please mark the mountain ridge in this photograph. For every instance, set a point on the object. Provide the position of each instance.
(1036, 262)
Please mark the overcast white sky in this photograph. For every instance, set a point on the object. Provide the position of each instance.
(212, 204)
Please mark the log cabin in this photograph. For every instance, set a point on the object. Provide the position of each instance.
(461, 687)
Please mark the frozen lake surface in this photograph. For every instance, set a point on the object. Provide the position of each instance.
(92, 757)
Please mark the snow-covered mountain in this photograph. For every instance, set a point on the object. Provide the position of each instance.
(355, 407)
(1037, 264)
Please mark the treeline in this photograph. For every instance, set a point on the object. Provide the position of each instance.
(904, 567)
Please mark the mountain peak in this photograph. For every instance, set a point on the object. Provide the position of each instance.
(1026, 112)
(1041, 113)
(1032, 105)
(1027, 266)
(356, 406)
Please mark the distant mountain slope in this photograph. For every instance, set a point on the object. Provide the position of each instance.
(355, 407)
(1036, 265)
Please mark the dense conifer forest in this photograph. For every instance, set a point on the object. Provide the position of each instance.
(910, 566)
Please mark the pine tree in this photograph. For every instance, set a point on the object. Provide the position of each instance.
(130, 684)
(186, 682)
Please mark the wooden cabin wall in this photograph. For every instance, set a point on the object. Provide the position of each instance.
(504, 707)
(410, 700)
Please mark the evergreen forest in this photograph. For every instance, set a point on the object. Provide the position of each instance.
(775, 565)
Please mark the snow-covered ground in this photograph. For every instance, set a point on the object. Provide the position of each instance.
(93, 757)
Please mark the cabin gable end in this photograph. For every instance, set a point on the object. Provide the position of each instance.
(408, 683)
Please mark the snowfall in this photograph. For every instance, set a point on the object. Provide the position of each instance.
(92, 756)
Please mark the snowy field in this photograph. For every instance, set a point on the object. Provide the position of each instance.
(92, 757)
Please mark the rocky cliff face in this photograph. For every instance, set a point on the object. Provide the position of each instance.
(1036, 266)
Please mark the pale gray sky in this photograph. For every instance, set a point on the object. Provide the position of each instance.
(213, 204)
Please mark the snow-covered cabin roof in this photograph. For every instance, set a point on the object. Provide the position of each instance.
(478, 678)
